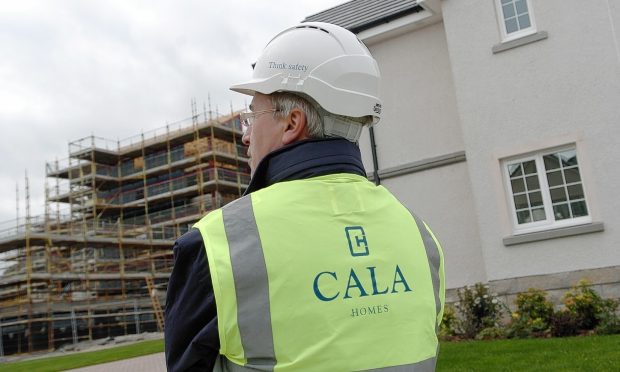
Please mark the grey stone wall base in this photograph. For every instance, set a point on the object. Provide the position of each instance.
(605, 281)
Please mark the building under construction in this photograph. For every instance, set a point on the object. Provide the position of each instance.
(97, 263)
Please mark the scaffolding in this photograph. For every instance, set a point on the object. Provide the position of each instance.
(97, 263)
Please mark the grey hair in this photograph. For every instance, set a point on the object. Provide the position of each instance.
(285, 102)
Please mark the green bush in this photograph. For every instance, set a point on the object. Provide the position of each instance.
(478, 314)
(533, 315)
(564, 323)
(449, 326)
(586, 304)
(491, 333)
(609, 323)
(478, 308)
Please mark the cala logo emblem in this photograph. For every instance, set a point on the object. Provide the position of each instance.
(357, 241)
(327, 287)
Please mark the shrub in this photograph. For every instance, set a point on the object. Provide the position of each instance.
(533, 315)
(478, 308)
(491, 333)
(609, 323)
(564, 323)
(449, 326)
(586, 304)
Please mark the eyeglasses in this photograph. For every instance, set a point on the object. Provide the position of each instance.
(248, 117)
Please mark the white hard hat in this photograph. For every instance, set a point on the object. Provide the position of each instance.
(322, 61)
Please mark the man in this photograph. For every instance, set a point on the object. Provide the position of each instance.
(315, 268)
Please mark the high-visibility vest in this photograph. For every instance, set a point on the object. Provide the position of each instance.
(330, 273)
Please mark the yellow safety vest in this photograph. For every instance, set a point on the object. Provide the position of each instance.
(330, 273)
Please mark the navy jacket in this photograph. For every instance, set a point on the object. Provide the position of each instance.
(191, 336)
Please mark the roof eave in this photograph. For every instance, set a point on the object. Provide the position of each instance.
(429, 12)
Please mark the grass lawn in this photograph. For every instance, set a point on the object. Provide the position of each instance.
(77, 360)
(592, 353)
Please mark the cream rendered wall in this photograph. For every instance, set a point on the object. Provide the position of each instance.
(564, 89)
(437, 196)
(421, 121)
(418, 98)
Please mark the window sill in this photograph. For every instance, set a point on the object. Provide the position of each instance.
(519, 42)
(552, 234)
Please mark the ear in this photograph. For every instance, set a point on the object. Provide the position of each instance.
(296, 127)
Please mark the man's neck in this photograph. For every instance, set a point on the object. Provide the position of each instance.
(306, 159)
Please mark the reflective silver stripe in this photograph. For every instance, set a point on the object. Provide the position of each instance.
(224, 365)
(251, 284)
(423, 366)
(434, 260)
(428, 365)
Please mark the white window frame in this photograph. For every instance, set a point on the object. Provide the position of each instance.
(518, 34)
(549, 223)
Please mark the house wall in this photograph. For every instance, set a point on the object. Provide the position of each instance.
(560, 90)
(448, 210)
(420, 118)
(420, 122)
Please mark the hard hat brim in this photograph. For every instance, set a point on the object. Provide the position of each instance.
(250, 87)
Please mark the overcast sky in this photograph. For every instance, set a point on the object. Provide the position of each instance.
(114, 68)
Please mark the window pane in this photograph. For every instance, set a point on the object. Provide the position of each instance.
(555, 178)
(524, 21)
(506, 1)
(521, 6)
(532, 183)
(514, 170)
(539, 214)
(575, 192)
(511, 25)
(563, 185)
(551, 162)
(529, 167)
(568, 157)
(535, 199)
(558, 195)
(509, 11)
(572, 175)
(524, 217)
(579, 208)
(561, 212)
(521, 201)
(517, 185)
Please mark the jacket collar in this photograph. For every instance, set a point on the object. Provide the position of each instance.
(305, 159)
